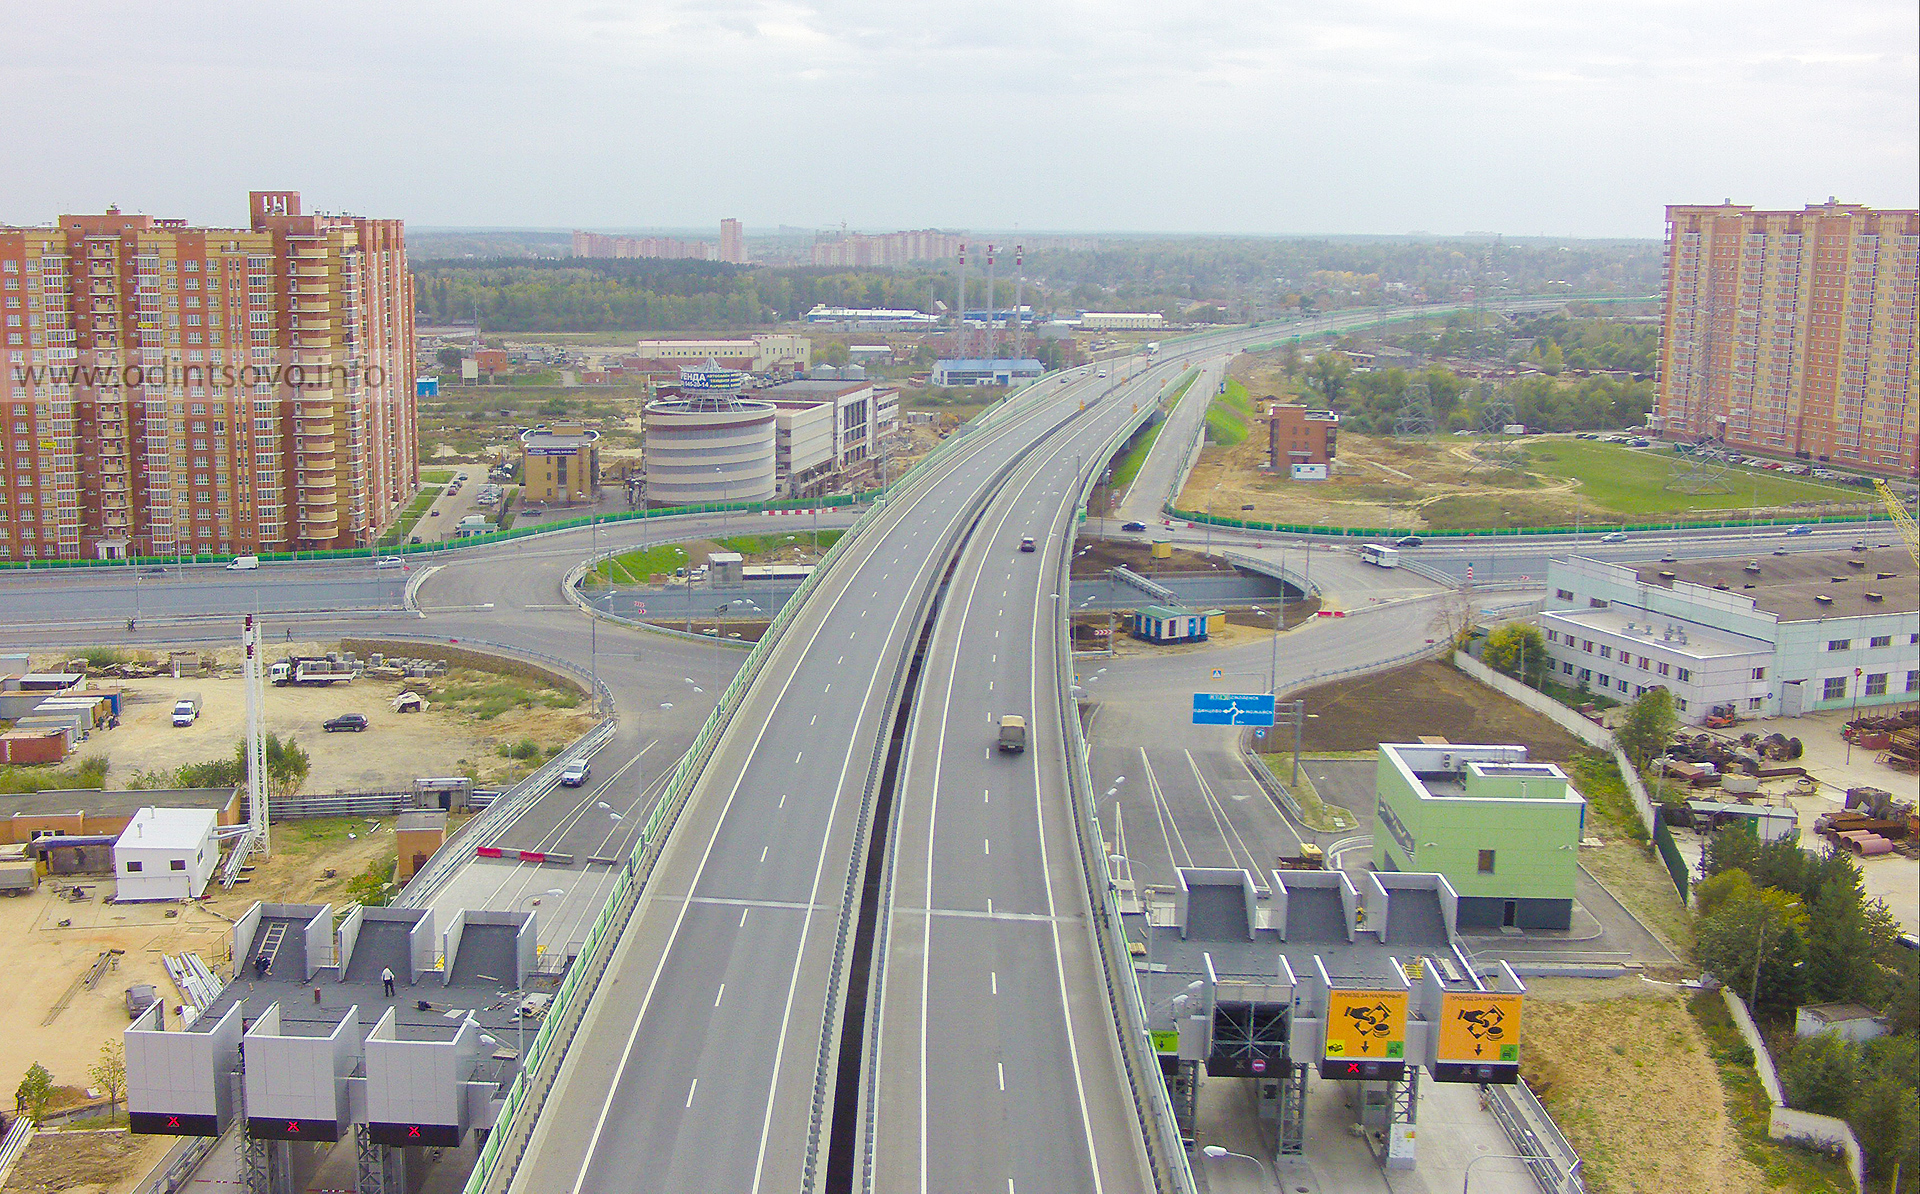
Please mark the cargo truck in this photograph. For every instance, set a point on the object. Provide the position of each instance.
(309, 671)
(186, 708)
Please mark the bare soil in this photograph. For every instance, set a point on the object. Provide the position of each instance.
(1094, 556)
(1631, 1083)
(1425, 698)
(95, 1161)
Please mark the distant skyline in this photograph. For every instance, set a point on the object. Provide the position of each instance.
(1375, 117)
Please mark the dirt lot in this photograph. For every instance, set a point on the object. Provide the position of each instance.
(96, 1161)
(1426, 698)
(1095, 556)
(1627, 1075)
(394, 750)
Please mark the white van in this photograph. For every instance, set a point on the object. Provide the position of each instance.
(244, 564)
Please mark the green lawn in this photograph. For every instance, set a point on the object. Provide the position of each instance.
(634, 567)
(763, 545)
(1632, 481)
(415, 511)
(1129, 466)
(1228, 415)
(435, 476)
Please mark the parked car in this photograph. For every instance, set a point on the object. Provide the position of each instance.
(1614, 537)
(1133, 526)
(1407, 541)
(140, 997)
(575, 774)
(346, 721)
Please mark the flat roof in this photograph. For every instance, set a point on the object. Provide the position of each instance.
(1700, 642)
(824, 386)
(1785, 586)
(168, 828)
(96, 802)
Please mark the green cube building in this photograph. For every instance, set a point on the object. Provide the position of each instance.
(1505, 832)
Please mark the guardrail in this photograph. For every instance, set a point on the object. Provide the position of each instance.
(1153, 1106)
(1290, 528)
(1551, 1160)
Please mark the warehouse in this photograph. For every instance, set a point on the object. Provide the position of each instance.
(1772, 635)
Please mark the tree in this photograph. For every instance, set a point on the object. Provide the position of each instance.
(1648, 726)
(31, 1096)
(1845, 931)
(369, 887)
(110, 1073)
(1763, 930)
(1821, 1073)
(449, 358)
(1518, 649)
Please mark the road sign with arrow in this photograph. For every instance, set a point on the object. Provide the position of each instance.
(1479, 1037)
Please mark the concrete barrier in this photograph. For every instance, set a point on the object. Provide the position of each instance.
(1809, 1128)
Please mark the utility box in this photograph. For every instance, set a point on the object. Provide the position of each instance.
(727, 566)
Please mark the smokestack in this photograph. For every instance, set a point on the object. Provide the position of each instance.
(1019, 292)
(993, 337)
(961, 325)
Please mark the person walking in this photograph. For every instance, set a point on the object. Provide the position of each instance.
(386, 980)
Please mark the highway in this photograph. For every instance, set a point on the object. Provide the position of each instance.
(994, 1057)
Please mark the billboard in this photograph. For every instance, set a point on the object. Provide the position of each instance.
(1478, 1037)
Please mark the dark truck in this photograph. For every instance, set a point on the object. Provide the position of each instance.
(1013, 733)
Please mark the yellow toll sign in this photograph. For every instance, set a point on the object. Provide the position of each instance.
(1367, 1024)
(1479, 1026)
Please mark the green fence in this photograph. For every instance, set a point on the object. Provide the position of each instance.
(1670, 853)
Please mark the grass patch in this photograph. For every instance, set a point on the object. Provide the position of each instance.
(636, 567)
(1129, 466)
(1228, 416)
(435, 476)
(756, 546)
(1317, 813)
(489, 698)
(1626, 864)
(1490, 511)
(18, 781)
(1785, 1167)
(1630, 481)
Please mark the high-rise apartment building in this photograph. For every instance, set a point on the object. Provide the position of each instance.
(1793, 332)
(733, 242)
(890, 248)
(171, 389)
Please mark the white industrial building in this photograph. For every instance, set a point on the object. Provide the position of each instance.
(759, 354)
(1122, 320)
(1771, 635)
(166, 854)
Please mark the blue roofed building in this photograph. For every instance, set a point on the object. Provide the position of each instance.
(981, 372)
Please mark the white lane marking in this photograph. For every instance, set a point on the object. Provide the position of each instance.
(839, 661)
(986, 845)
(993, 979)
(1001, 1068)
(783, 800)
(743, 917)
(797, 755)
(763, 851)
(723, 986)
(814, 718)
(989, 686)
(986, 796)
(690, 1089)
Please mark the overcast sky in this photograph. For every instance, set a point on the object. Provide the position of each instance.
(1563, 117)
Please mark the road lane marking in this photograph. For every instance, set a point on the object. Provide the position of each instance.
(695, 1086)
(743, 917)
(763, 851)
(783, 800)
(986, 845)
(993, 978)
(1001, 1067)
(723, 986)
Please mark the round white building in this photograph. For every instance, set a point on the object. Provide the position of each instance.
(715, 447)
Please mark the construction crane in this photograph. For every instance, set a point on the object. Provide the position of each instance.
(1909, 531)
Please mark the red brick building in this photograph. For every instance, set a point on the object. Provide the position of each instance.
(1296, 435)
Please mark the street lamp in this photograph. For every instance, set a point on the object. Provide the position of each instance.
(1273, 655)
(1215, 1153)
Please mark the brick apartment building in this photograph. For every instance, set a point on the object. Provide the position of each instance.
(172, 389)
(1296, 435)
(1792, 332)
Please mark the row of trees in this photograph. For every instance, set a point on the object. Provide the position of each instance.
(1370, 402)
(35, 1093)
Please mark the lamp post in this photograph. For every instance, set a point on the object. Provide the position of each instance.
(1215, 1153)
(1273, 655)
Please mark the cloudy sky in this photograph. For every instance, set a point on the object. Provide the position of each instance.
(1568, 117)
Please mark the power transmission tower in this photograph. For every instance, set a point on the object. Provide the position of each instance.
(1415, 416)
(1494, 448)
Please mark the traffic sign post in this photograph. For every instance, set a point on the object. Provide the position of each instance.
(1366, 1036)
(1478, 1037)
(1233, 709)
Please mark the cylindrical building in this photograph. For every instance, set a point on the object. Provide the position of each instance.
(709, 447)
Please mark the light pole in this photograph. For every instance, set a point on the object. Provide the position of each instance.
(1273, 655)
(1215, 1153)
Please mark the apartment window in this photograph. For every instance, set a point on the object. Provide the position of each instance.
(1563, 594)
(1486, 862)
(1596, 603)
(1553, 636)
(1759, 673)
(1660, 668)
(1876, 684)
(1587, 645)
(1682, 674)
(133, 868)
(1606, 681)
(1566, 668)
(1645, 663)
(1755, 702)
(1584, 675)
(1913, 681)
(1913, 640)
(1606, 652)
(176, 864)
(1835, 689)
(1680, 703)
(1839, 644)
(1880, 640)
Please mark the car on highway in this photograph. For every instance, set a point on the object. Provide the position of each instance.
(434, 513)
(1800, 530)
(388, 562)
(243, 564)
(1614, 537)
(1026, 544)
(1133, 526)
(1408, 541)
(354, 722)
(1013, 733)
(575, 774)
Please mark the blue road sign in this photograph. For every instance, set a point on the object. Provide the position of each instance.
(1232, 709)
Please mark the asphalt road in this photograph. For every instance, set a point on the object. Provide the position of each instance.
(996, 1065)
(1172, 449)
